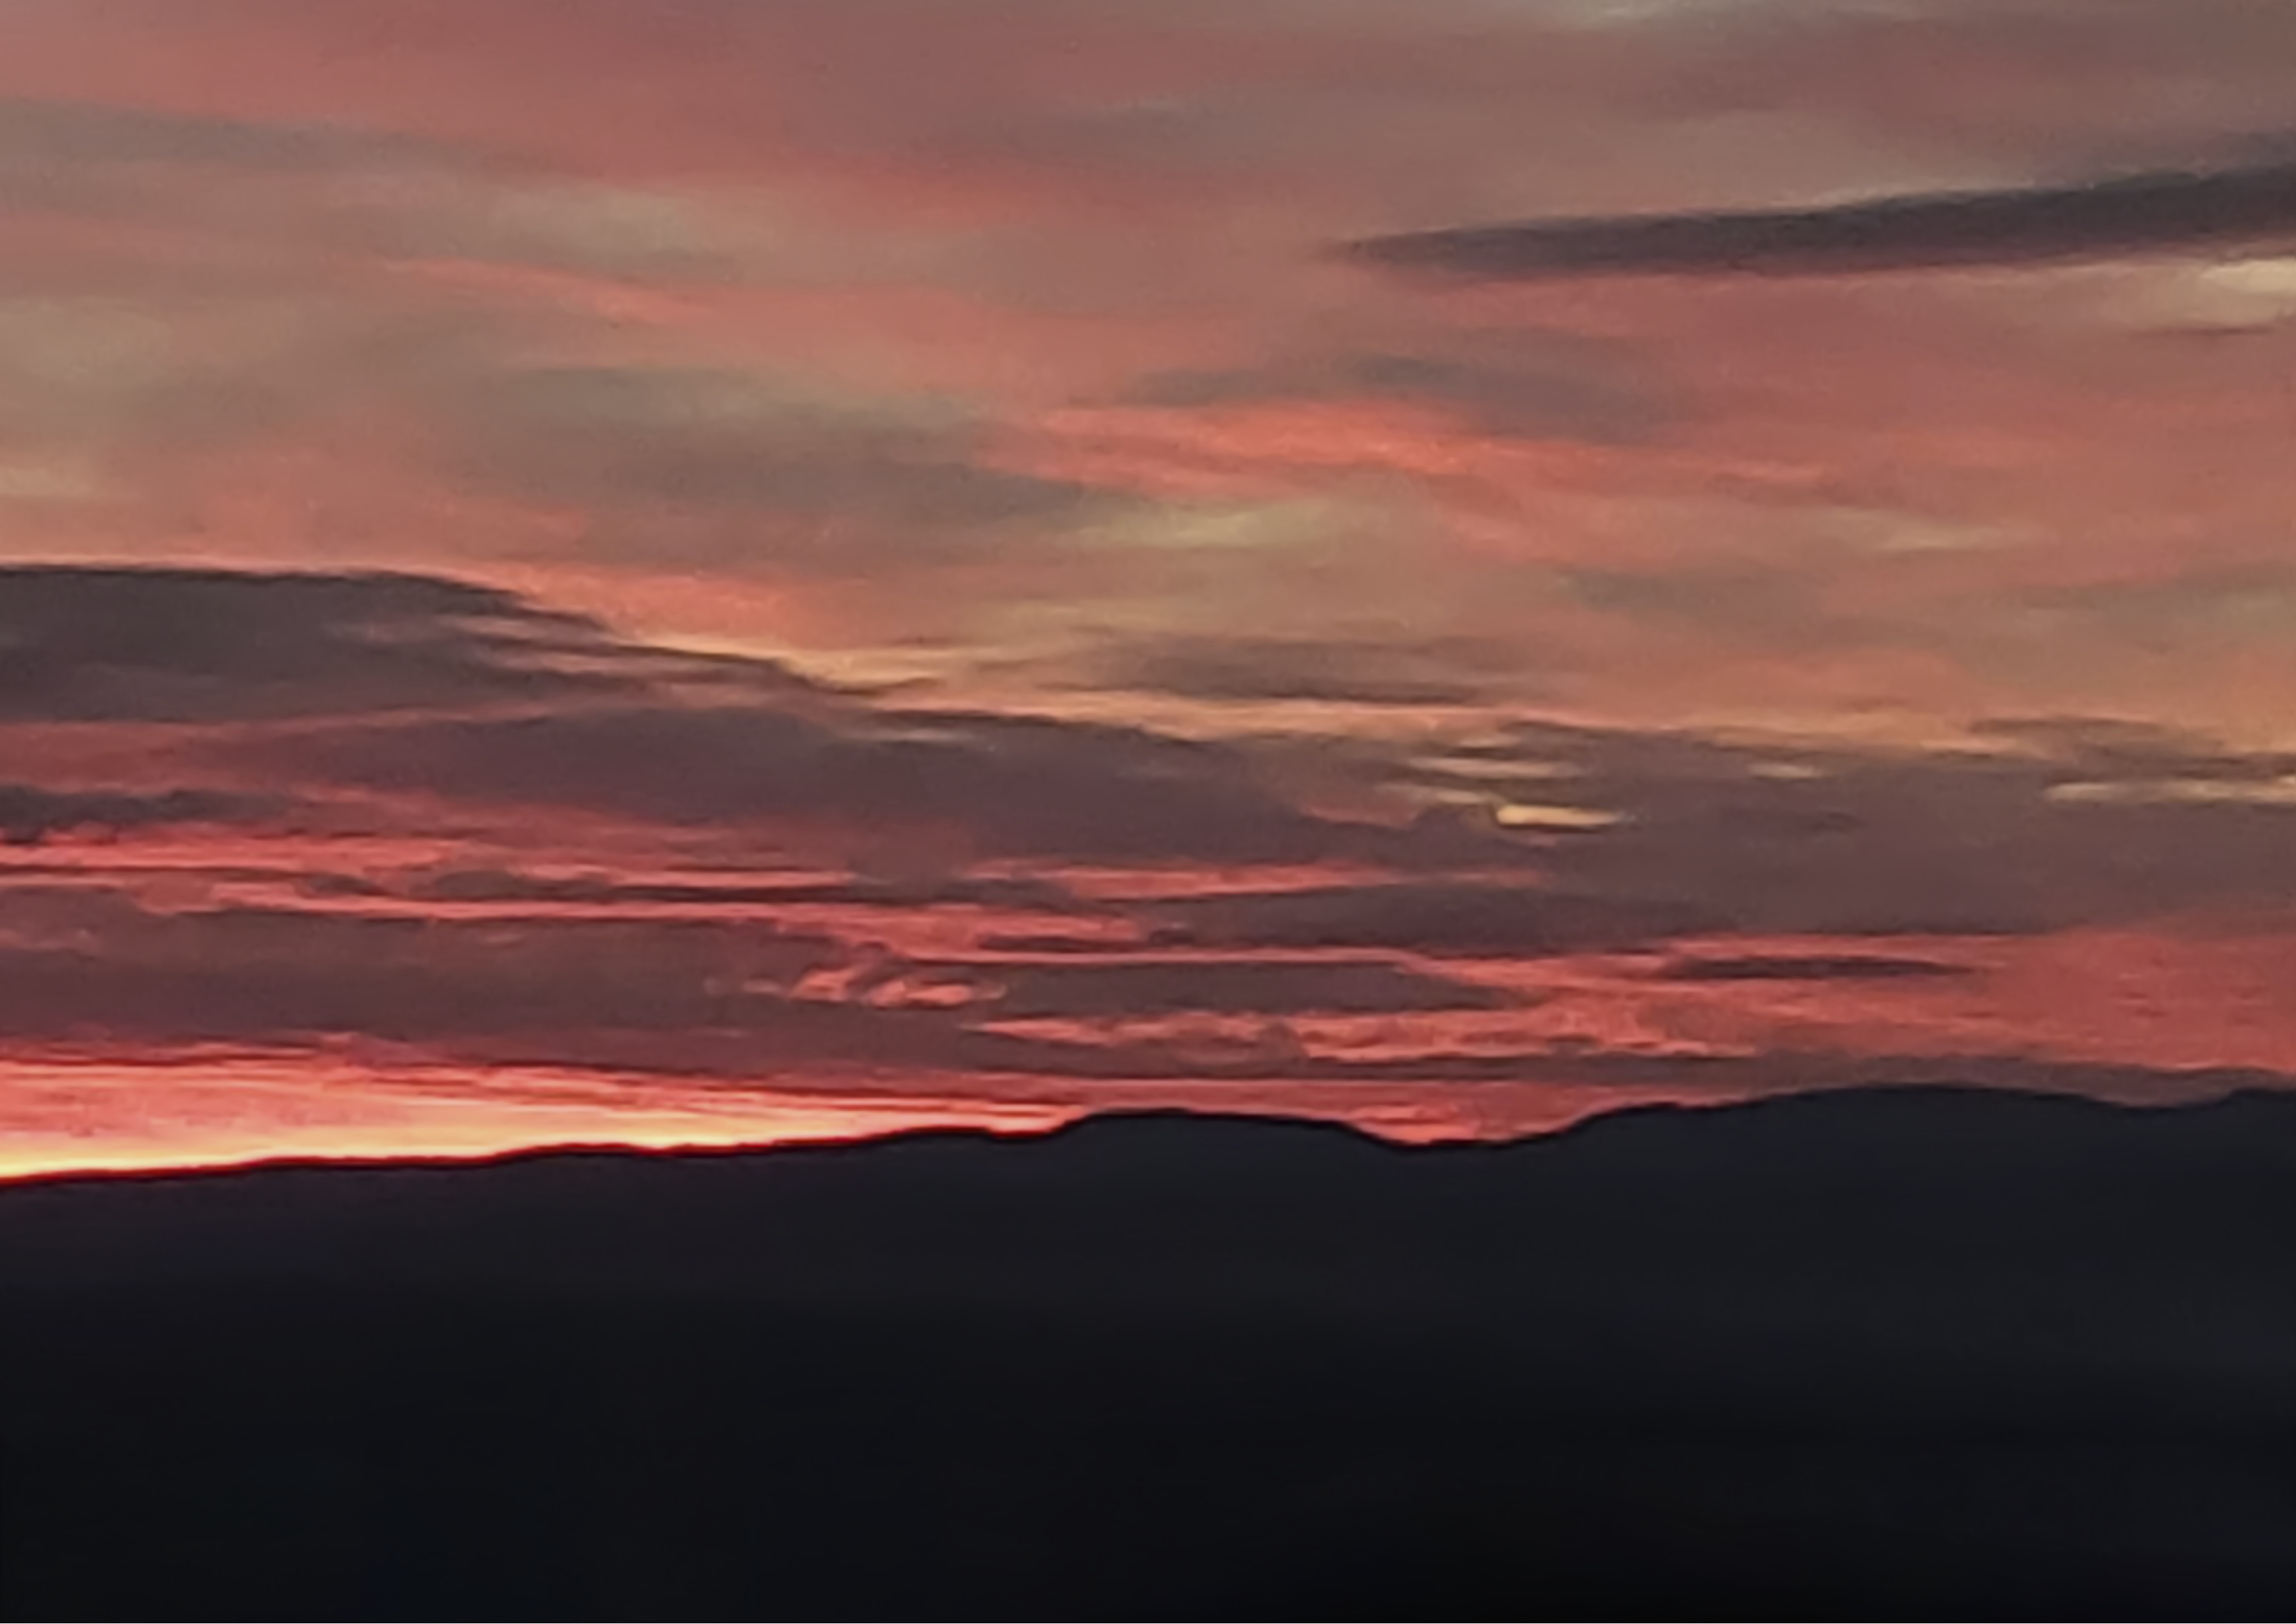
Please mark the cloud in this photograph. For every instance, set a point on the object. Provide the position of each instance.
(2056, 821)
(1935, 847)
(31, 814)
(111, 645)
(1520, 385)
(1837, 839)
(980, 784)
(1048, 942)
(2114, 749)
(308, 190)
(446, 692)
(1014, 989)
(864, 483)
(2108, 219)
(1808, 967)
(1447, 918)
(1249, 669)
(85, 966)
(86, 962)
(484, 885)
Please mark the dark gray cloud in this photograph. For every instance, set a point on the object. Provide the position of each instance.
(1049, 942)
(1456, 918)
(528, 707)
(83, 961)
(723, 998)
(1330, 670)
(2047, 831)
(100, 644)
(1912, 850)
(489, 885)
(2111, 218)
(1809, 967)
(30, 813)
(88, 964)
(996, 785)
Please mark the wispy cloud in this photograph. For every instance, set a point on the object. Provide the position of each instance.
(2121, 218)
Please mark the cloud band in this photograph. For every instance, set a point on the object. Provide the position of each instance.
(2116, 218)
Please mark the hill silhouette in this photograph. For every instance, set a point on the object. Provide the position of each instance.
(1919, 1353)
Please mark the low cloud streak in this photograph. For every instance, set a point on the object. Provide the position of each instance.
(2231, 210)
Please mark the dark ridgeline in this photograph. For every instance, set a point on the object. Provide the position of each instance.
(1905, 1354)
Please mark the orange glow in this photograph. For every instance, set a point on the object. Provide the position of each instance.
(232, 1113)
(107, 1117)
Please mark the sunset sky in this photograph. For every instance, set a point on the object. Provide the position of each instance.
(719, 570)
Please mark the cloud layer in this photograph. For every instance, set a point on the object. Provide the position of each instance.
(608, 565)
(429, 826)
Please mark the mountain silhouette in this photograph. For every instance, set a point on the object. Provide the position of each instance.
(1890, 1354)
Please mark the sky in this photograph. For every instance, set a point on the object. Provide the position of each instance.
(668, 572)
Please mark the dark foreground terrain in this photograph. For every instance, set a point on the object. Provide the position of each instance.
(1908, 1355)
